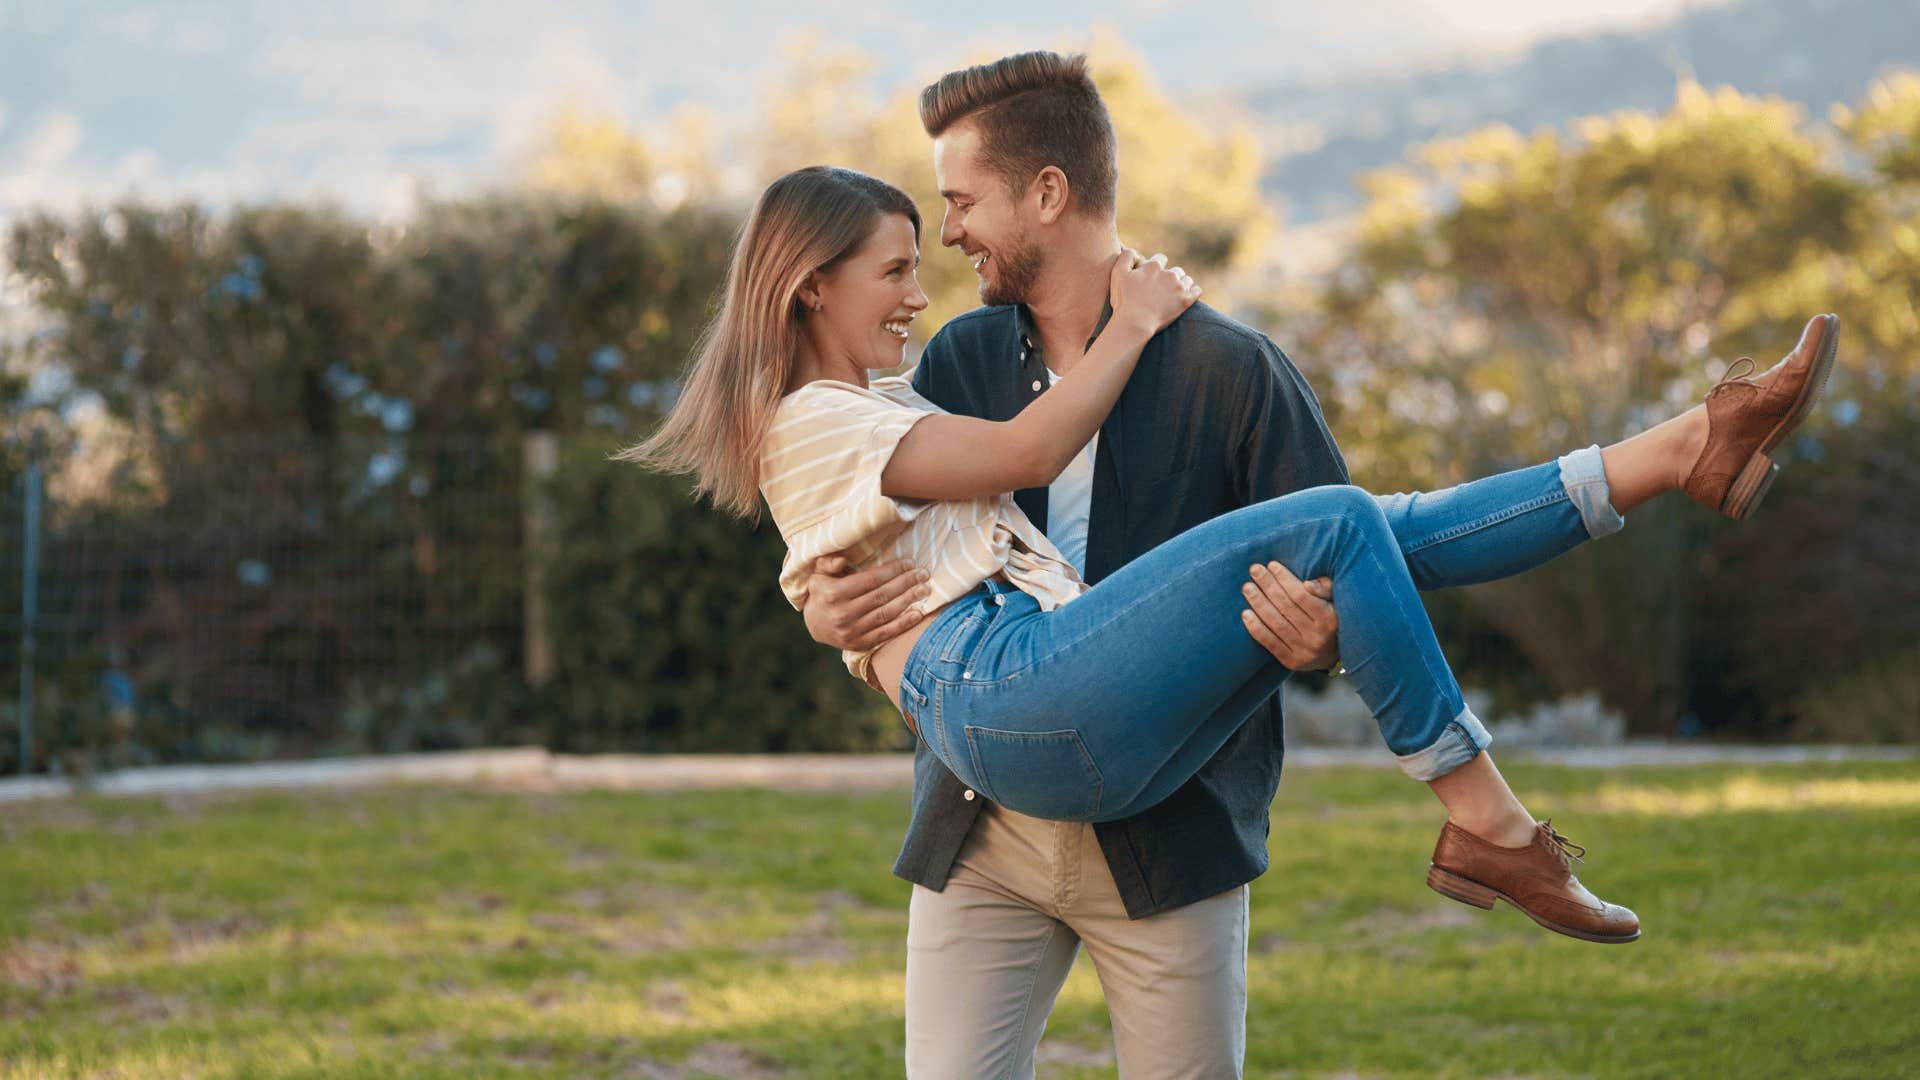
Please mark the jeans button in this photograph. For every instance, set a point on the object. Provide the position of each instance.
(969, 795)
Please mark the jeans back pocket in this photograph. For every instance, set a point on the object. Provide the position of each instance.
(1043, 774)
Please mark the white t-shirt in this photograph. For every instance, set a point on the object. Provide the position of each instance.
(1070, 502)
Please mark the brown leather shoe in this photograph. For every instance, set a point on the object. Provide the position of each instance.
(1748, 416)
(1536, 878)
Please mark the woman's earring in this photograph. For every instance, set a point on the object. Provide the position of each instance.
(818, 304)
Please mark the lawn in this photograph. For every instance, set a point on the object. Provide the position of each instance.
(466, 933)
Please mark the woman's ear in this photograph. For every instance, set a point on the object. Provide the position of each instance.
(809, 292)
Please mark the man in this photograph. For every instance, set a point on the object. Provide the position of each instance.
(1214, 418)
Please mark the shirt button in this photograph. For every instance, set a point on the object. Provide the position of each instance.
(1036, 386)
(969, 795)
(999, 601)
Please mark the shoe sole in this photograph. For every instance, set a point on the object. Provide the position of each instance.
(1472, 893)
(1757, 475)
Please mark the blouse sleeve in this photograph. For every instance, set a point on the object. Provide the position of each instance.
(820, 473)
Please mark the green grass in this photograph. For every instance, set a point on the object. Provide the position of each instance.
(434, 932)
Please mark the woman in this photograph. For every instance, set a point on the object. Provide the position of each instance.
(1064, 701)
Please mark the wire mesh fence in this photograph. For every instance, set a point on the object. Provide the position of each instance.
(228, 598)
(274, 595)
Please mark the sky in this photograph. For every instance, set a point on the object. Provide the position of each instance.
(376, 103)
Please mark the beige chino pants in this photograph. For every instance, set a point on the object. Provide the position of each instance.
(987, 956)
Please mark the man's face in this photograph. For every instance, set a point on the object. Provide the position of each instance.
(984, 219)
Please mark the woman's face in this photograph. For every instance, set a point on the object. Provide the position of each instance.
(869, 297)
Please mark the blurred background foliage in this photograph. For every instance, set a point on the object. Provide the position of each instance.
(289, 510)
(1509, 297)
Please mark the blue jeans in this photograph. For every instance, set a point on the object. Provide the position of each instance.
(1102, 707)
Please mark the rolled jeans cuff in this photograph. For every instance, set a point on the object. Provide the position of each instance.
(1585, 478)
(1462, 738)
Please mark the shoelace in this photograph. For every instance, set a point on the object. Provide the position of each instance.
(1736, 375)
(1567, 847)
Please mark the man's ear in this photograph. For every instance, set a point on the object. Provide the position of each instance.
(1053, 192)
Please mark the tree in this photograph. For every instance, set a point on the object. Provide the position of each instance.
(1188, 187)
(1513, 296)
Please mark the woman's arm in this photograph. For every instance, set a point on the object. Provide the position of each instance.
(962, 457)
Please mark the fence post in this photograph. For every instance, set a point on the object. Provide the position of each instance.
(29, 609)
(539, 457)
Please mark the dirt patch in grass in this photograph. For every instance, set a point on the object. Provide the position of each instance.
(52, 916)
(668, 998)
(481, 903)
(1061, 1052)
(561, 923)
(730, 1060)
(1396, 922)
(24, 818)
(184, 937)
(817, 935)
(1268, 944)
(645, 940)
(588, 859)
(44, 968)
(642, 895)
(1375, 926)
(726, 1060)
(130, 1004)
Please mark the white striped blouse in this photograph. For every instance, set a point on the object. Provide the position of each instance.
(820, 473)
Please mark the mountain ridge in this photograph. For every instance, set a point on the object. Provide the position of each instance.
(1327, 131)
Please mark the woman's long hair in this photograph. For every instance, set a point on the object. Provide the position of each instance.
(807, 220)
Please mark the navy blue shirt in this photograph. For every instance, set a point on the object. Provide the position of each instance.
(1214, 418)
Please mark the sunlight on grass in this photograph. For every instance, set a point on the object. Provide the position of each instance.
(1744, 793)
(802, 995)
(455, 933)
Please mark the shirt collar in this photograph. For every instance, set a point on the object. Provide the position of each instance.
(1030, 337)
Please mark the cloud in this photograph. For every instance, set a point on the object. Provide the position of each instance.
(370, 102)
(53, 142)
(46, 170)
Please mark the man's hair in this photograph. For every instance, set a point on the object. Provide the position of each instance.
(1033, 110)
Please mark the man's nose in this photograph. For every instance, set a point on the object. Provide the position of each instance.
(950, 230)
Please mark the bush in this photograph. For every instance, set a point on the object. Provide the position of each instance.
(672, 632)
(1879, 703)
(299, 527)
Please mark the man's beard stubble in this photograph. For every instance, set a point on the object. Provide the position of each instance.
(1015, 270)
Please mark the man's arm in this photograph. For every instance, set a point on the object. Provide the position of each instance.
(1283, 441)
(1284, 446)
(861, 611)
